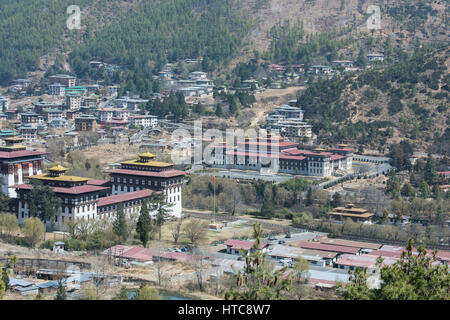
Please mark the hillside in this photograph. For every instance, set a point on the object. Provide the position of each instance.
(383, 105)
(150, 33)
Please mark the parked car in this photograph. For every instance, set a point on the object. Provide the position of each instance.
(281, 242)
(272, 238)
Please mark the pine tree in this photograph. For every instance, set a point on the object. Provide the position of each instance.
(430, 174)
(159, 204)
(267, 209)
(309, 199)
(219, 111)
(120, 225)
(5, 278)
(255, 281)
(61, 293)
(144, 224)
(337, 200)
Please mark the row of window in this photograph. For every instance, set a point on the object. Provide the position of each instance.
(145, 181)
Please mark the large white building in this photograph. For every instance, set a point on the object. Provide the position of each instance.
(289, 121)
(57, 89)
(131, 104)
(4, 103)
(279, 155)
(83, 198)
(146, 121)
(73, 101)
(145, 173)
(17, 163)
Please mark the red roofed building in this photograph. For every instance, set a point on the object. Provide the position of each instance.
(145, 173)
(235, 246)
(16, 163)
(131, 201)
(365, 261)
(279, 156)
(445, 174)
(78, 198)
(327, 247)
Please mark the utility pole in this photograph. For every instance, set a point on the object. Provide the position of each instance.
(214, 187)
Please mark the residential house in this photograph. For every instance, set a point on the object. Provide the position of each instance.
(236, 246)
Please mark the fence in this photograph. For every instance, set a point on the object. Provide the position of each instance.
(36, 264)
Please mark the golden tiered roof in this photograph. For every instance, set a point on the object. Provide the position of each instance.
(58, 168)
(147, 155)
(150, 163)
(143, 161)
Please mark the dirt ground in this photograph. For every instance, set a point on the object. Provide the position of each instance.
(376, 182)
(236, 230)
(110, 153)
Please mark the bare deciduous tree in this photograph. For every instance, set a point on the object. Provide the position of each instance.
(195, 230)
(176, 230)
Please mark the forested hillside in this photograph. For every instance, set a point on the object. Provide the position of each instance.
(408, 99)
(140, 35)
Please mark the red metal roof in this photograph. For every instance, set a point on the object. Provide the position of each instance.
(277, 143)
(395, 252)
(161, 174)
(73, 190)
(292, 157)
(106, 201)
(97, 182)
(336, 157)
(20, 154)
(444, 173)
(363, 261)
(326, 247)
(243, 244)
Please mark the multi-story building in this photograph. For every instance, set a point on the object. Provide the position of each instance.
(85, 123)
(50, 114)
(72, 114)
(57, 89)
(375, 57)
(349, 211)
(289, 112)
(288, 120)
(90, 101)
(73, 101)
(198, 75)
(12, 114)
(29, 117)
(65, 79)
(22, 83)
(83, 198)
(146, 121)
(4, 103)
(110, 114)
(79, 196)
(41, 106)
(343, 63)
(281, 156)
(131, 104)
(76, 90)
(29, 131)
(145, 173)
(16, 163)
